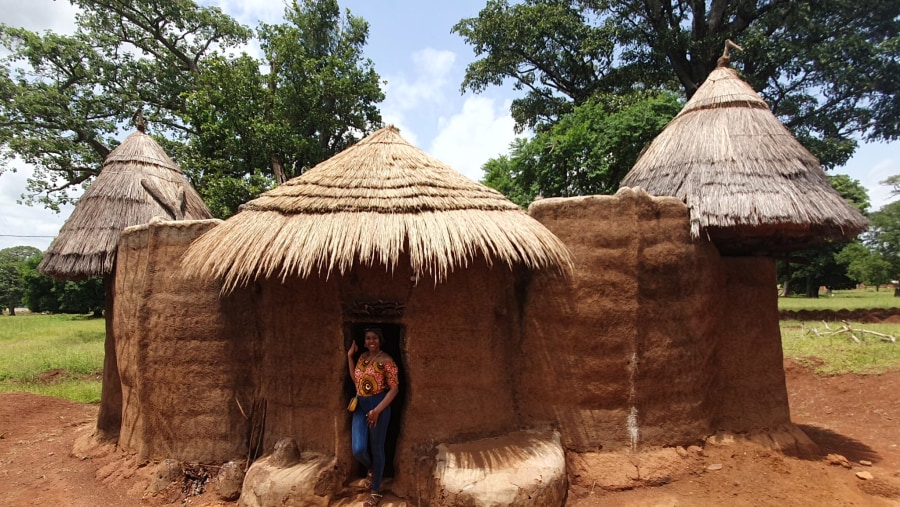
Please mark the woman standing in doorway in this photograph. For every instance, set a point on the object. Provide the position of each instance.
(375, 378)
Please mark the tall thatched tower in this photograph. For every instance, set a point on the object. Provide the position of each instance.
(137, 182)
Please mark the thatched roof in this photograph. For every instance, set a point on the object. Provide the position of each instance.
(137, 182)
(749, 184)
(367, 205)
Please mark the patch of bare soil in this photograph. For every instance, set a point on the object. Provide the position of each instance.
(855, 416)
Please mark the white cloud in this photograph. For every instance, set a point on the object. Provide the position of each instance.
(879, 194)
(871, 164)
(39, 15)
(479, 132)
(19, 224)
(426, 88)
(250, 12)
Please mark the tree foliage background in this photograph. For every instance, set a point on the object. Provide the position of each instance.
(829, 69)
(13, 262)
(236, 124)
(21, 284)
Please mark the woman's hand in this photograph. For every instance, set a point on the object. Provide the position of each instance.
(372, 418)
(352, 350)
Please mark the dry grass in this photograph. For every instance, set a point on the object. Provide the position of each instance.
(138, 182)
(738, 169)
(374, 204)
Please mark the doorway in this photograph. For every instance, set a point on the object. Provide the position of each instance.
(393, 346)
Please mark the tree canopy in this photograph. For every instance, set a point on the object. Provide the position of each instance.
(234, 128)
(13, 261)
(815, 267)
(883, 236)
(829, 69)
(588, 151)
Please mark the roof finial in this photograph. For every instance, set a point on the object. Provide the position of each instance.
(724, 60)
(138, 119)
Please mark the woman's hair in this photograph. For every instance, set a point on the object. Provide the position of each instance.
(377, 332)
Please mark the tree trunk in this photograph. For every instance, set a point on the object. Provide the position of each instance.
(786, 287)
(12, 310)
(278, 169)
(812, 288)
(897, 292)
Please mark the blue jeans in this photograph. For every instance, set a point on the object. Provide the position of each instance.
(365, 439)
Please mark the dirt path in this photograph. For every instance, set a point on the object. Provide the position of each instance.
(856, 416)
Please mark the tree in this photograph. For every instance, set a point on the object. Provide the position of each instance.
(233, 129)
(83, 296)
(64, 97)
(883, 237)
(12, 261)
(40, 290)
(588, 151)
(829, 69)
(864, 265)
(44, 294)
(260, 129)
(815, 267)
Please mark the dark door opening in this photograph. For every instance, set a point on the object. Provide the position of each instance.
(393, 339)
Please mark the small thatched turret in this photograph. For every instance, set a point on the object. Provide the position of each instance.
(749, 184)
(138, 181)
(369, 204)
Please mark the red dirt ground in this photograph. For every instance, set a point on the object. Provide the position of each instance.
(855, 416)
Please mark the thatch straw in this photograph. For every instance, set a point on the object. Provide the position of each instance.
(138, 181)
(369, 204)
(746, 180)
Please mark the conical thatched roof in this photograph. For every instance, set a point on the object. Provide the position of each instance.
(369, 204)
(748, 183)
(138, 181)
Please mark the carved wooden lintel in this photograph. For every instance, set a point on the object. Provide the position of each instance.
(375, 309)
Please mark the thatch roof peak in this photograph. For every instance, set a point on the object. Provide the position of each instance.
(138, 181)
(367, 205)
(748, 183)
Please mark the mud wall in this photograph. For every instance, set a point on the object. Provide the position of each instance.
(656, 339)
(302, 363)
(184, 354)
(456, 346)
(461, 354)
(754, 394)
(646, 344)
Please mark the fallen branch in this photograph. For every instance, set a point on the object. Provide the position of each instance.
(849, 330)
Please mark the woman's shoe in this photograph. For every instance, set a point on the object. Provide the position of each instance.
(373, 500)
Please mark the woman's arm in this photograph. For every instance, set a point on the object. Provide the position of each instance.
(350, 365)
(372, 416)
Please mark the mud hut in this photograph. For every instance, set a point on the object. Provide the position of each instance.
(755, 192)
(137, 182)
(750, 186)
(510, 374)
(381, 234)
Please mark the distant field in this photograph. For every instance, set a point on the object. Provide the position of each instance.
(842, 300)
(56, 355)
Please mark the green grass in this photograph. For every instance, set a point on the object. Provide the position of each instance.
(62, 355)
(842, 300)
(55, 355)
(832, 354)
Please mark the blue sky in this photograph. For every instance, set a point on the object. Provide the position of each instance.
(423, 64)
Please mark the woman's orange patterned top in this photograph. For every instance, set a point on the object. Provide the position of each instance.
(373, 377)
